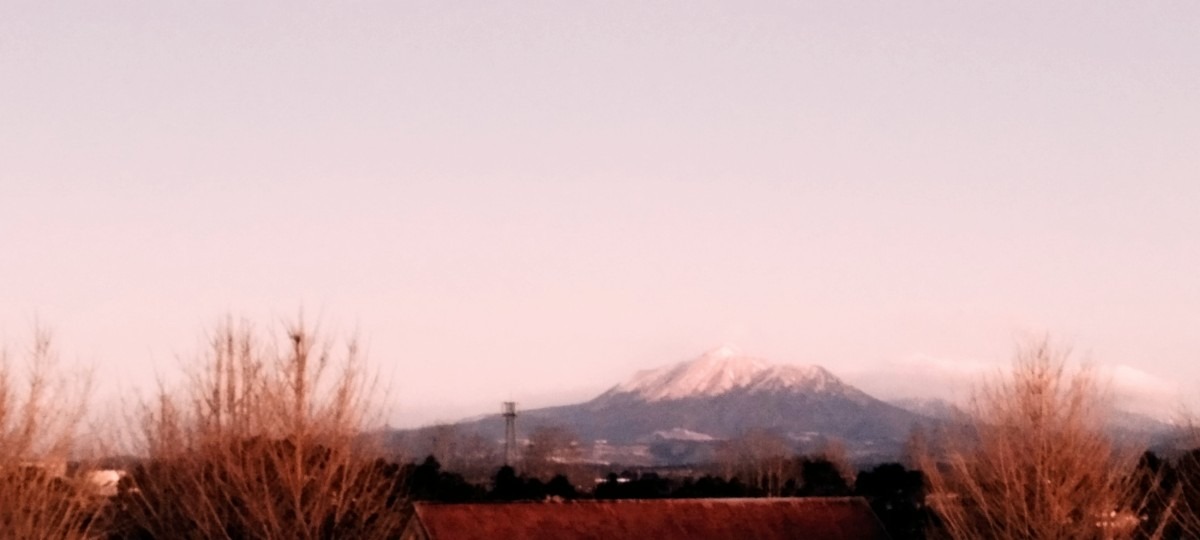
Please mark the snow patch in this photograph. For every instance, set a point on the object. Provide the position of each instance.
(680, 434)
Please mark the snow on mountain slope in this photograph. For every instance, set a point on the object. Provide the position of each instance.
(680, 434)
(724, 370)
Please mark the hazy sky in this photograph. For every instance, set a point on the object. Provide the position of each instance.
(531, 201)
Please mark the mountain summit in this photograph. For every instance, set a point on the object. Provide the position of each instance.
(724, 370)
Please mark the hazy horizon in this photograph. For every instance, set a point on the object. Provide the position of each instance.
(531, 202)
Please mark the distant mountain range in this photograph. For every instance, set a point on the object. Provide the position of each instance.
(934, 408)
(680, 413)
(1121, 423)
(677, 413)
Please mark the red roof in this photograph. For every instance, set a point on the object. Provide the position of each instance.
(815, 518)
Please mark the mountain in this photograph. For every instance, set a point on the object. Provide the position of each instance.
(936, 408)
(1122, 425)
(690, 406)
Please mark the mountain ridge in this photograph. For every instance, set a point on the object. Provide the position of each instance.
(720, 395)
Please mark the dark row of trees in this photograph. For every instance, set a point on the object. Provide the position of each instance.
(896, 493)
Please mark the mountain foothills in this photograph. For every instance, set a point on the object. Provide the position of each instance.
(678, 414)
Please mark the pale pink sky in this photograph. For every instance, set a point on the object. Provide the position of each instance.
(533, 200)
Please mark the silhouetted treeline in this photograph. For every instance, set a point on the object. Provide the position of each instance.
(1171, 491)
(428, 482)
(895, 493)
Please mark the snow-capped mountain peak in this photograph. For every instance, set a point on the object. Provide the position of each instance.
(723, 370)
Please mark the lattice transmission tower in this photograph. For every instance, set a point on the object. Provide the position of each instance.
(509, 411)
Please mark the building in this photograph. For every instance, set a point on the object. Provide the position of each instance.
(814, 518)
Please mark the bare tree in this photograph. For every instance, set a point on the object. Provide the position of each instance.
(477, 458)
(834, 451)
(760, 457)
(265, 442)
(549, 450)
(40, 415)
(445, 444)
(1032, 459)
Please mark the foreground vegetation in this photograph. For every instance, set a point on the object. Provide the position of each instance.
(267, 439)
(264, 441)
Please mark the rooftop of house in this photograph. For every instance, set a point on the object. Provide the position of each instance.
(833, 518)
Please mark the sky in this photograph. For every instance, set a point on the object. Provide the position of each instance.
(531, 201)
